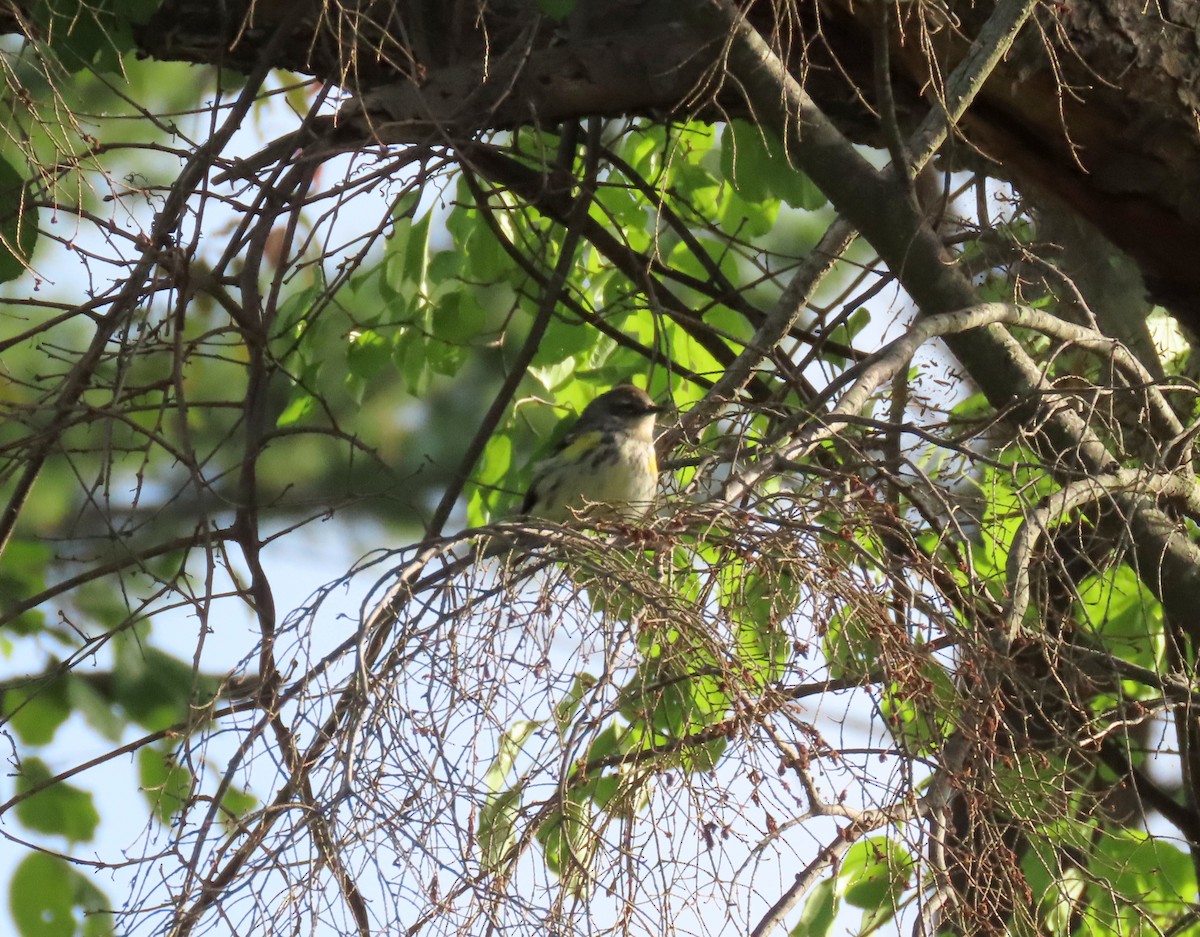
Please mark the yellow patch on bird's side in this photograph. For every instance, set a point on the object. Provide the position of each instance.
(651, 463)
(577, 448)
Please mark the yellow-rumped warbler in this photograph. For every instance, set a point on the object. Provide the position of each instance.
(606, 458)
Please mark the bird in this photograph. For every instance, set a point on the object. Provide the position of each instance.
(604, 463)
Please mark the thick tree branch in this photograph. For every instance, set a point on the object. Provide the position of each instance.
(1167, 561)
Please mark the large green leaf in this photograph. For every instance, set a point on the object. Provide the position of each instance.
(61, 809)
(874, 873)
(755, 161)
(46, 892)
(36, 711)
(23, 574)
(40, 897)
(155, 689)
(18, 223)
(820, 911)
(95, 32)
(165, 783)
(497, 827)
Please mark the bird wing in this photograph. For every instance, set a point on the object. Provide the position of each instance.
(573, 445)
(569, 449)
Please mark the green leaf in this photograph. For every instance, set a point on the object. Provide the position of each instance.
(693, 177)
(755, 161)
(497, 463)
(1145, 869)
(874, 873)
(708, 698)
(96, 32)
(488, 491)
(849, 646)
(1010, 491)
(554, 376)
(750, 219)
(1132, 880)
(565, 709)
(552, 837)
(96, 923)
(742, 157)
(510, 746)
(155, 689)
(556, 9)
(301, 406)
(622, 206)
(485, 258)
(497, 826)
(820, 909)
(60, 809)
(445, 267)
(603, 791)
(444, 359)
(456, 318)
(416, 253)
(96, 708)
(683, 258)
(367, 355)
(1127, 617)
(23, 574)
(46, 895)
(758, 601)
(920, 720)
(18, 224)
(606, 744)
(406, 205)
(40, 897)
(569, 843)
(235, 805)
(413, 361)
(36, 711)
(564, 338)
(644, 149)
(1027, 783)
(974, 407)
(612, 602)
(673, 706)
(846, 332)
(703, 757)
(165, 783)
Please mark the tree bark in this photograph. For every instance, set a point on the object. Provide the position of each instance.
(1095, 108)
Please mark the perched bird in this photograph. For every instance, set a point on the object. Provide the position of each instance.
(606, 459)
